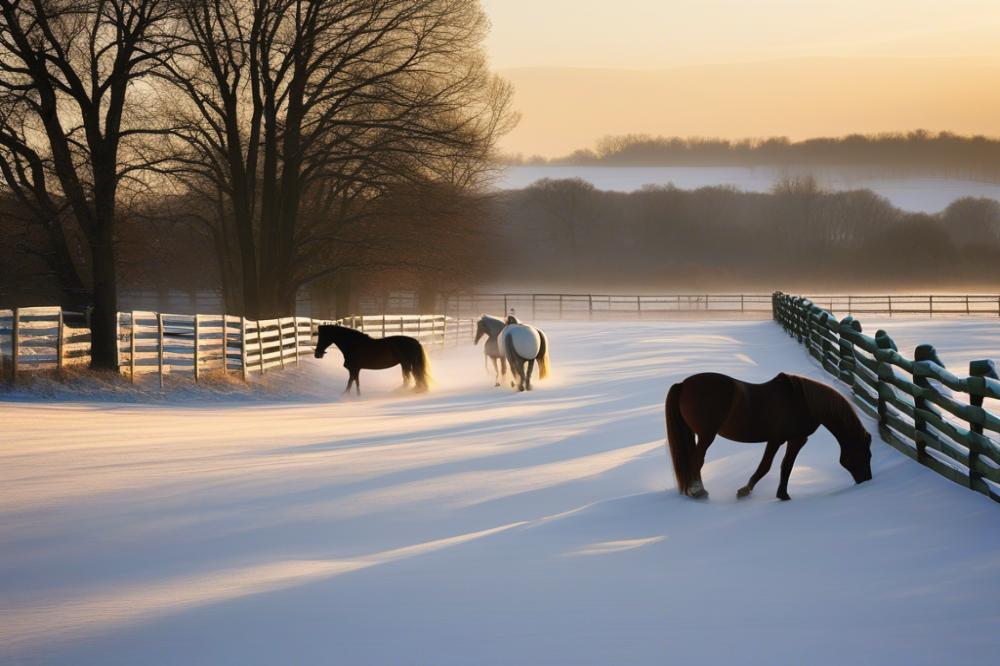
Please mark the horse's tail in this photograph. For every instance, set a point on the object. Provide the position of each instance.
(680, 440)
(543, 357)
(513, 360)
(421, 368)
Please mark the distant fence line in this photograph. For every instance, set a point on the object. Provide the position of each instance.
(914, 416)
(542, 306)
(37, 339)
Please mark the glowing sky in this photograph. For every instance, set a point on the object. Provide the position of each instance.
(744, 67)
(661, 33)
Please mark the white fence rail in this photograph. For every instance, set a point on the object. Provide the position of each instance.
(39, 339)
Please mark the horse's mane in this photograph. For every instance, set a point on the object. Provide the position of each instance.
(346, 330)
(827, 405)
(497, 324)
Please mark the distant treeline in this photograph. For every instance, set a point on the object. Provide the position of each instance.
(568, 235)
(918, 150)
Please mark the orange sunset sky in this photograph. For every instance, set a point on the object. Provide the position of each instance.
(733, 68)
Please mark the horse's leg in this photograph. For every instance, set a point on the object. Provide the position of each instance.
(406, 374)
(520, 375)
(503, 369)
(762, 469)
(531, 368)
(496, 371)
(792, 450)
(697, 489)
(355, 374)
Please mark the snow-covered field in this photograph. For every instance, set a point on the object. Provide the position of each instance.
(474, 525)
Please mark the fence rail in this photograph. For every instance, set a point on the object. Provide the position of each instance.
(38, 339)
(646, 306)
(914, 400)
(609, 306)
(911, 304)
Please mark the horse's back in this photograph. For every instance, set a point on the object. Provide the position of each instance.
(384, 353)
(745, 412)
(525, 339)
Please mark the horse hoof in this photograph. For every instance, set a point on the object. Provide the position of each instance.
(784, 497)
(497, 384)
(743, 492)
(528, 387)
(699, 494)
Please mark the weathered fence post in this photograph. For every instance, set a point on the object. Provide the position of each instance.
(638, 306)
(60, 342)
(534, 298)
(884, 342)
(590, 306)
(296, 320)
(977, 371)
(225, 342)
(922, 353)
(281, 341)
(15, 343)
(197, 348)
(827, 346)
(159, 347)
(243, 346)
(131, 348)
(383, 326)
(848, 325)
(260, 346)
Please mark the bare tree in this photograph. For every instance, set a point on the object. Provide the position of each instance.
(26, 174)
(302, 113)
(74, 70)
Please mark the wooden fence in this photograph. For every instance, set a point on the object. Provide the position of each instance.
(914, 400)
(42, 338)
(610, 306)
(927, 305)
(34, 339)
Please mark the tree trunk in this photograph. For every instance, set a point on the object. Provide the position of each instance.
(104, 318)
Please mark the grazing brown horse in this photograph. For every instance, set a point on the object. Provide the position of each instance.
(788, 409)
(363, 352)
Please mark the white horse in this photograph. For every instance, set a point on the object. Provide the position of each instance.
(491, 327)
(523, 344)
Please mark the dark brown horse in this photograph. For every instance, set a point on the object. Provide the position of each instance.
(788, 409)
(363, 352)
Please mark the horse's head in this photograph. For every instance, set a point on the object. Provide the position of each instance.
(831, 409)
(480, 329)
(856, 453)
(326, 336)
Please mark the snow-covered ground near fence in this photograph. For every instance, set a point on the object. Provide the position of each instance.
(474, 525)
